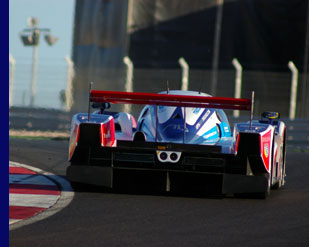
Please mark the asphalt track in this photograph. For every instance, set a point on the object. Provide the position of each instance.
(101, 218)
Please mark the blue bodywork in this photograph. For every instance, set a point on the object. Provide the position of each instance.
(185, 125)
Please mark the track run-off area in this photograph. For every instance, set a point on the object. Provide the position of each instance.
(97, 217)
(30, 192)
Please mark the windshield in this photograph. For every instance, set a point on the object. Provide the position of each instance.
(198, 121)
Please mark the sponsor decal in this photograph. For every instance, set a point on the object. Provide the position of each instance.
(196, 110)
(107, 134)
(161, 147)
(266, 150)
(266, 139)
(198, 125)
(206, 115)
(210, 134)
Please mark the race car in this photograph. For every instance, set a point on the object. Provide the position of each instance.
(182, 142)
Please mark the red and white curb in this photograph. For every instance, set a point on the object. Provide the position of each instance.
(32, 191)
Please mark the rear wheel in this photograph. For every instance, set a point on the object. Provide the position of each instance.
(257, 195)
(266, 193)
(269, 177)
(77, 186)
(280, 182)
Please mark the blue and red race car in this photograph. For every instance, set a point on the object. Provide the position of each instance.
(182, 141)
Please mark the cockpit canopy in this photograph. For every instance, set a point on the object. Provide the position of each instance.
(183, 124)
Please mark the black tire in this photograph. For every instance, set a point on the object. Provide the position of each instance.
(280, 183)
(256, 195)
(266, 193)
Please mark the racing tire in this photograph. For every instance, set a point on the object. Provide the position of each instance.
(280, 183)
(256, 195)
(266, 193)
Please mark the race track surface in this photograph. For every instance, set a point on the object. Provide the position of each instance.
(102, 218)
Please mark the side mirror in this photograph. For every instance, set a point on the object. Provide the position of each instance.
(101, 105)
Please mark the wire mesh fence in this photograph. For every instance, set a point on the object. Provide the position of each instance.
(272, 88)
(50, 87)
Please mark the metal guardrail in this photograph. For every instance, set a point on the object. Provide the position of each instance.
(297, 132)
(56, 120)
(39, 119)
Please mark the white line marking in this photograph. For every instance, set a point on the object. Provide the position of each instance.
(12, 221)
(64, 200)
(31, 200)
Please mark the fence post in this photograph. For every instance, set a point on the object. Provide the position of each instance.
(217, 37)
(129, 80)
(184, 74)
(11, 81)
(238, 82)
(294, 85)
(33, 79)
(68, 91)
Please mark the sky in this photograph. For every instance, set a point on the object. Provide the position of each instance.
(57, 15)
(52, 68)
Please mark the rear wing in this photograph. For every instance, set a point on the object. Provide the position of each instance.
(170, 100)
(173, 100)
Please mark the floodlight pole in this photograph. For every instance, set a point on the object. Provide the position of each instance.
(34, 69)
(34, 32)
(11, 81)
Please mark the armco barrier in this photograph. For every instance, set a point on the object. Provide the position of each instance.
(54, 120)
(297, 131)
